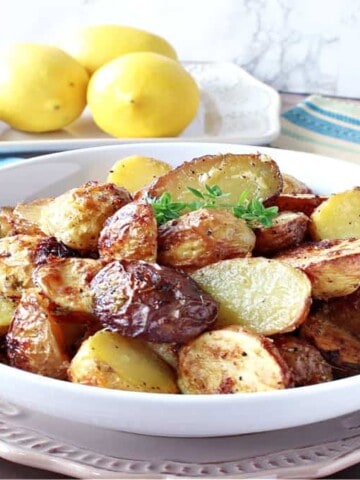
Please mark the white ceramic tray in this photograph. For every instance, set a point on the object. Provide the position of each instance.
(76, 450)
(235, 107)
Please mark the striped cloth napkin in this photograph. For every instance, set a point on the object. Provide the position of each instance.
(324, 126)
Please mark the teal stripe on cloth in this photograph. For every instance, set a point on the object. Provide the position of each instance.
(300, 117)
(334, 115)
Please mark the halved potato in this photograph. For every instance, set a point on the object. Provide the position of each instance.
(30, 213)
(202, 237)
(169, 352)
(131, 234)
(288, 230)
(337, 217)
(77, 216)
(305, 203)
(333, 266)
(306, 363)
(231, 360)
(264, 295)
(11, 223)
(35, 341)
(7, 309)
(293, 186)
(66, 282)
(256, 174)
(109, 360)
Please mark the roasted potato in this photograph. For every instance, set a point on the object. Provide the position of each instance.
(11, 223)
(293, 186)
(288, 230)
(131, 234)
(337, 345)
(333, 266)
(6, 221)
(202, 237)
(77, 217)
(49, 249)
(109, 360)
(35, 341)
(261, 294)
(306, 363)
(337, 217)
(154, 303)
(7, 309)
(169, 352)
(305, 203)
(231, 360)
(66, 282)
(257, 174)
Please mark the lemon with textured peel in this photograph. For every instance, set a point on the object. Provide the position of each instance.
(143, 95)
(136, 171)
(42, 88)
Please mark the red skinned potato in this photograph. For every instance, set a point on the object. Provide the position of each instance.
(151, 302)
(130, 234)
(305, 203)
(202, 237)
(293, 186)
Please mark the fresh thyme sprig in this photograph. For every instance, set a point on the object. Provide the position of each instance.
(252, 211)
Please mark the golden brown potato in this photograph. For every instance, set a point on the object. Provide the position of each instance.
(169, 352)
(6, 221)
(333, 266)
(261, 294)
(305, 203)
(11, 223)
(28, 215)
(202, 237)
(109, 360)
(34, 341)
(77, 217)
(151, 302)
(66, 282)
(337, 345)
(337, 217)
(131, 234)
(7, 309)
(17, 262)
(288, 230)
(306, 364)
(293, 186)
(256, 174)
(231, 360)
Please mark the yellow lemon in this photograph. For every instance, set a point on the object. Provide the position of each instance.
(136, 171)
(143, 95)
(95, 45)
(42, 88)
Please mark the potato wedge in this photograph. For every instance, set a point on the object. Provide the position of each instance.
(131, 234)
(257, 174)
(109, 360)
(333, 266)
(288, 230)
(306, 363)
(77, 217)
(202, 237)
(337, 217)
(337, 345)
(305, 203)
(231, 360)
(35, 342)
(261, 294)
(294, 186)
(7, 309)
(66, 282)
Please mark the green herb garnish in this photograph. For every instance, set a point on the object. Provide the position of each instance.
(252, 211)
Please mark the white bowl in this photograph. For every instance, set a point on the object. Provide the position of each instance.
(163, 414)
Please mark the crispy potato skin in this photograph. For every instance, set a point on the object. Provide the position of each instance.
(231, 360)
(338, 346)
(333, 266)
(131, 234)
(202, 237)
(337, 217)
(258, 174)
(34, 341)
(307, 365)
(152, 302)
(77, 217)
(66, 282)
(293, 186)
(288, 230)
(305, 203)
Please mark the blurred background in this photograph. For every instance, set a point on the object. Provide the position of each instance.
(299, 46)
